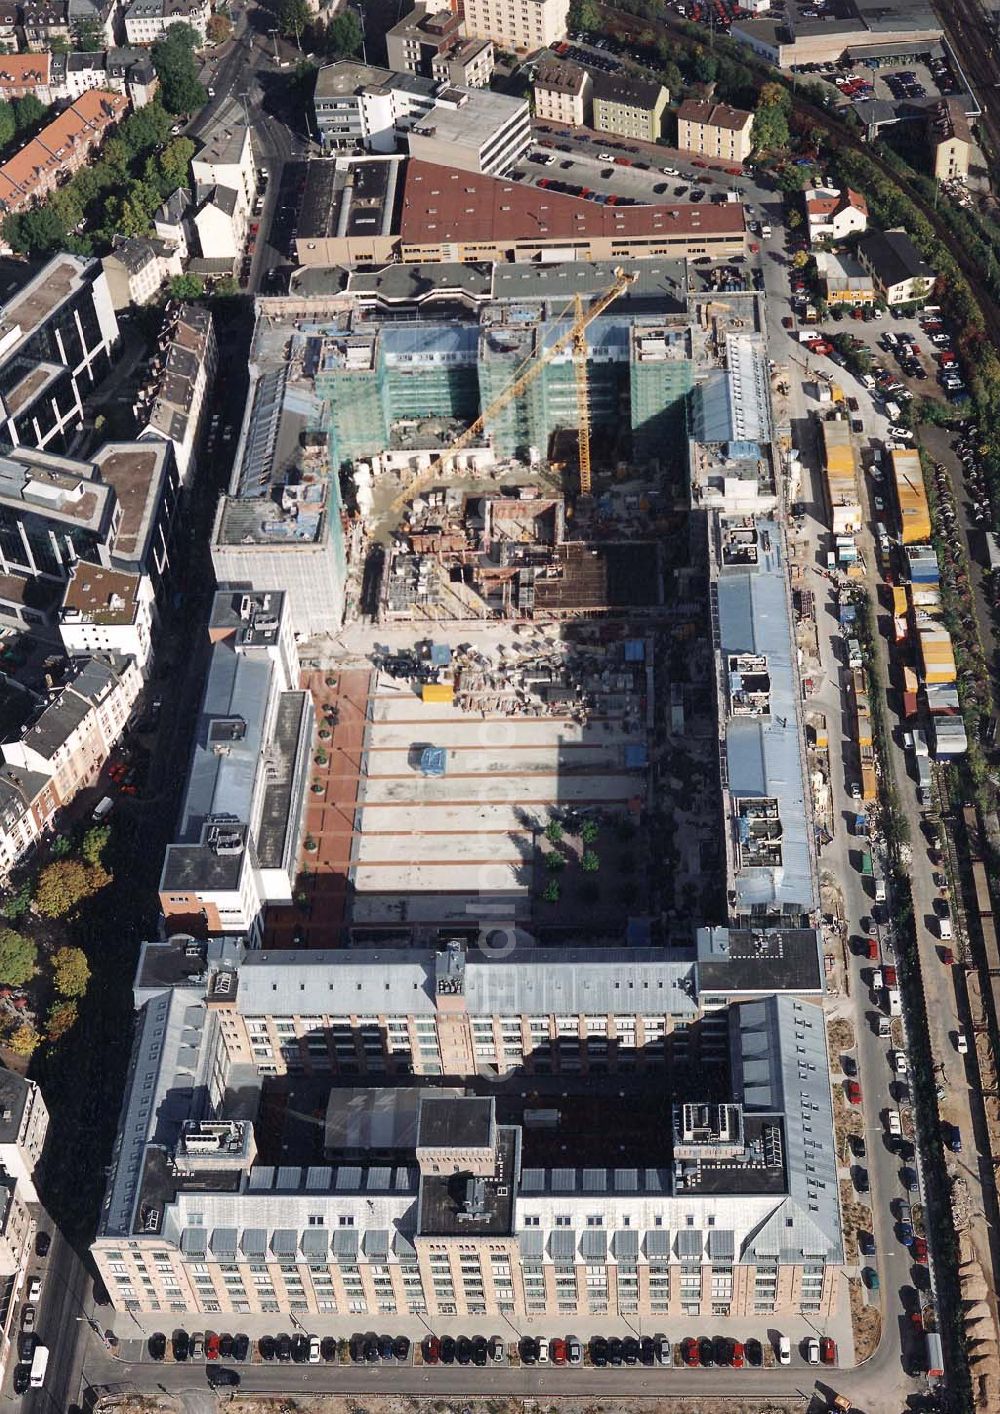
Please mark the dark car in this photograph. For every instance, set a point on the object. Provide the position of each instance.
(268, 1347)
(599, 1352)
(22, 1378)
(225, 1347)
(706, 1352)
(721, 1350)
(157, 1346)
(528, 1349)
(448, 1351)
(480, 1350)
(356, 1347)
(300, 1349)
(43, 1242)
(858, 1145)
(754, 1352)
(614, 1351)
(371, 1348)
(630, 1350)
(861, 1182)
(219, 1378)
(180, 1343)
(401, 1347)
(463, 1350)
(430, 1349)
(241, 1347)
(283, 1347)
(26, 1343)
(385, 1350)
(866, 1241)
(647, 1351)
(908, 1178)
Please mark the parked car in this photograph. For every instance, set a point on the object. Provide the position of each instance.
(784, 1351)
(828, 1350)
(528, 1350)
(574, 1351)
(43, 1241)
(268, 1348)
(754, 1352)
(599, 1352)
(870, 1278)
(689, 1352)
(157, 1346)
(241, 1347)
(706, 1352)
(180, 1343)
(498, 1351)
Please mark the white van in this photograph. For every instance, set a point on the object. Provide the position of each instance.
(895, 1124)
(945, 930)
(103, 808)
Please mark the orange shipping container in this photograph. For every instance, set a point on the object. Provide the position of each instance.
(437, 692)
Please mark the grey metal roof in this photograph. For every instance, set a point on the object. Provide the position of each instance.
(336, 983)
(566, 980)
(254, 1241)
(722, 1243)
(224, 1241)
(594, 1244)
(690, 1242)
(194, 1241)
(376, 1244)
(403, 1247)
(345, 1244)
(315, 1242)
(765, 754)
(562, 1244)
(658, 1242)
(284, 1242)
(532, 1242)
(626, 1243)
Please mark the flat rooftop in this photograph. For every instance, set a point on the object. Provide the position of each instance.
(743, 960)
(136, 470)
(443, 1198)
(350, 197)
(101, 596)
(470, 118)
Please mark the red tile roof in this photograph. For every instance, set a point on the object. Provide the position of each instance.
(441, 204)
(77, 129)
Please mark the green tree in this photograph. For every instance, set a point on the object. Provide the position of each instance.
(174, 164)
(66, 206)
(589, 831)
(219, 29)
(293, 18)
(551, 891)
(554, 863)
(343, 36)
(65, 883)
(17, 904)
(18, 958)
(775, 95)
(35, 232)
(8, 126)
(94, 843)
(225, 288)
(705, 67)
(28, 112)
(145, 129)
(174, 62)
(583, 15)
(70, 972)
(187, 287)
(770, 128)
(24, 1041)
(590, 861)
(553, 831)
(87, 37)
(61, 1018)
(116, 156)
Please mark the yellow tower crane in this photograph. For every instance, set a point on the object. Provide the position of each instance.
(573, 337)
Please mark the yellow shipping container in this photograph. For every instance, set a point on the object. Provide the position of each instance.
(898, 601)
(868, 783)
(437, 692)
(914, 512)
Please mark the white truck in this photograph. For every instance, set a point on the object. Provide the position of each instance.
(893, 1001)
(39, 1364)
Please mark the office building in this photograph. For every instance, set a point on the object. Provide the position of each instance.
(802, 33)
(444, 1202)
(108, 611)
(472, 130)
(432, 45)
(239, 832)
(57, 335)
(147, 20)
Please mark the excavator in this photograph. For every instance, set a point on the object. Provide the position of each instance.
(574, 338)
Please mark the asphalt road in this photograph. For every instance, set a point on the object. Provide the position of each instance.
(62, 1309)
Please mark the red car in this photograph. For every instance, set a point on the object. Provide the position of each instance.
(557, 1351)
(431, 1349)
(873, 950)
(699, 163)
(854, 1092)
(212, 1346)
(919, 1249)
(947, 957)
(689, 1351)
(736, 1358)
(828, 1350)
(889, 977)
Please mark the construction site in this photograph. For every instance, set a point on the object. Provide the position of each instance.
(528, 710)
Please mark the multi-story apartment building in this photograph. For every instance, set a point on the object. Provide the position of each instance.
(172, 407)
(715, 129)
(24, 1123)
(563, 93)
(21, 74)
(108, 611)
(516, 24)
(628, 107)
(950, 138)
(433, 46)
(56, 339)
(238, 839)
(137, 268)
(441, 1202)
(75, 730)
(147, 20)
(28, 804)
(226, 159)
(61, 148)
(42, 22)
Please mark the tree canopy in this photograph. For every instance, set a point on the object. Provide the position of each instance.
(70, 972)
(65, 883)
(174, 62)
(18, 958)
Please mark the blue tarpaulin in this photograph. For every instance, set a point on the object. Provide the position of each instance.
(440, 655)
(635, 650)
(636, 756)
(432, 760)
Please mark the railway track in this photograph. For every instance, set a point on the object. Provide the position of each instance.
(840, 139)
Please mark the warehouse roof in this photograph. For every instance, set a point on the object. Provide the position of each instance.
(440, 204)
